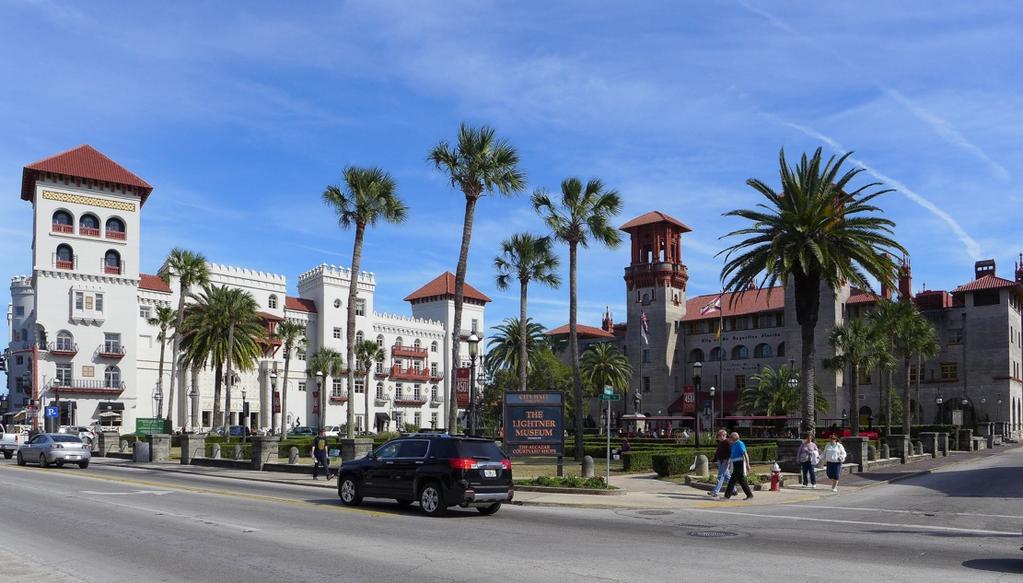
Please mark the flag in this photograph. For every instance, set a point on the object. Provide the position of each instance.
(715, 304)
(644, 327)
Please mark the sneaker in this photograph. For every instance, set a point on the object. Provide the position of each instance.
(813, 486)
(750, 497)
(834, 488)
(712, 494)
(803, 486)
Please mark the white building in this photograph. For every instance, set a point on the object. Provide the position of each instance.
(80, 336)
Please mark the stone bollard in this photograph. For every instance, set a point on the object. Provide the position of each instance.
(264, 449)
(871, 452)
(918, 447)
(124, 445)
(215, 451)
(293, 455)
(587, 466)
(929, 441)
(702, 468)
(900, 446)
(886, 452)
(238, 452)
(856, 451)
(193, 446)
(942, 438)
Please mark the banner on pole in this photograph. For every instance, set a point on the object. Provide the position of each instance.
(462, 386)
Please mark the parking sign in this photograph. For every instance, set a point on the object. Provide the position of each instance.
(52, 412)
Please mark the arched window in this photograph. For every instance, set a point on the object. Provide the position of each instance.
(112, 377)
(781, 349)
(63, 222)
(417, 344)
(715, 354)
(696, 355)
(397, 341)
(112, 262)
(88, 225)
(115, 228)
(65, 341)
(272, 302)
(762, 351)
(380, 339)
(380, 391)
(740, 352)
(433, 346)
(359, 337)
(65, 257)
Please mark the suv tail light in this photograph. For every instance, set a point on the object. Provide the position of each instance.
(463, 463)
(506, 464)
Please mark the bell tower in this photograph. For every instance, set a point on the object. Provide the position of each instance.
(655, 284)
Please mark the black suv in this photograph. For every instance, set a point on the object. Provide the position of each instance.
(437, 470)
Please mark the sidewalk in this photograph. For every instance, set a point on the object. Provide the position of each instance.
(905, 471)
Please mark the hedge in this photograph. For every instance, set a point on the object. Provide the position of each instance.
(674, 463)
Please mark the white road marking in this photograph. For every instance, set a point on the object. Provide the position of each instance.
(917, 512)
(863, 522)
(158, 512)
(153, 492)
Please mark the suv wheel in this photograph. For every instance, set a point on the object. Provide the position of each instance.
(431, 500)
(488, 510)
(348, 491)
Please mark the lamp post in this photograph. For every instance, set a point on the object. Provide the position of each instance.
(713, 390)
(273, 402)
(845, 416)
(697, 379)
(319, 398)
(474, 347)
(245, 417)
(793, 383)
(193, 395)
(158, 398)
(938, 401)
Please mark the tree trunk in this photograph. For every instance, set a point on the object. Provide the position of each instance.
(175, 354)
(218, 383)
(227, 393)
(284, 392)
(854, 398)
(365, 394)
(882, 376)
(573, 349)
(523, 336)
(456, 326)
(159, 382)
(353, 293)
(919, 373)
(807, 292)
(907, 411)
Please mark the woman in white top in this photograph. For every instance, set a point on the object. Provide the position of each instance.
(834, 455)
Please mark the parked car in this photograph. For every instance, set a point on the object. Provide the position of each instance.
(56, 449)
(87, 435)
(332, 431)
(235, 431)
(9, 442)
(301, 431)
(436, 470)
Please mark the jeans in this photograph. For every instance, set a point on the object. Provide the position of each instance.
(321, 461)
(724, 471)
(738, 476)
(809, 474)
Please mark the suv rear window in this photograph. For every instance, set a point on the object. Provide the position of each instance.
(481, 450)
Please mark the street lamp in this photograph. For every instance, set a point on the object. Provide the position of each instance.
(319, 398)
(245, 415)
(474, 347)
(697, 379)
(193, 394)
(938, 401)
(274, 399)
(712, 391)
(844, 417)
(158, 399)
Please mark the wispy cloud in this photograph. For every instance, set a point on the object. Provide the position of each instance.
(969, 243)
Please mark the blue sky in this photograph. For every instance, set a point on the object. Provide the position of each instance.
(240, 113)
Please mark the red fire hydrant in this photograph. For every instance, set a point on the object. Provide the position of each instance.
(775, 478)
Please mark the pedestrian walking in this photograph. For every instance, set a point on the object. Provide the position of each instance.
(740, 465)
(808, 457)
(319, 453)
(722, 456)
(834, 456)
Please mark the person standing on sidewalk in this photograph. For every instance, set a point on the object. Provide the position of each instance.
(319, 453)
(740, 465)
(722, 455)
(808, 457)
(834, 456)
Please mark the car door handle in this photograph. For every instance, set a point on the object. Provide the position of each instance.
(389, 463)
(419, 463)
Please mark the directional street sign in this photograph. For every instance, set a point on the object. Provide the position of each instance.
(612, 397)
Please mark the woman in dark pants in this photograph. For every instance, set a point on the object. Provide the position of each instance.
(740, 464)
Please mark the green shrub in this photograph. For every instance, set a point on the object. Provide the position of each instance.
(669, 464)
(566, 482)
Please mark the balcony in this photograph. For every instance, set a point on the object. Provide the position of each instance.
(409, 402)
(113, 269)
(88, 387)
(109, 350)
(436, 376)
(399, 351)
(59, 228)
(88, 232)
(339, 397)
(68, 264)
(435, 402)
(62, 348)
(409, 374)
(380, 401)
(116, 235)
(381, 373)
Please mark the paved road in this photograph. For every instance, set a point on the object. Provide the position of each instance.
(111, 524)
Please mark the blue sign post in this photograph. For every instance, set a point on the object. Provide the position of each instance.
(52, 411)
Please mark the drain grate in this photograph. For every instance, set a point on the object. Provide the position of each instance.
(654, 512)
(712, 534)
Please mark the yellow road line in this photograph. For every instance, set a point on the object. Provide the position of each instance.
(212, 491)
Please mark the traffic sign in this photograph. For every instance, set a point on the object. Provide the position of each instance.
(613, 397)
(609, 391)
(52, 412)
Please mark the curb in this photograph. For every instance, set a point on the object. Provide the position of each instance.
(326, 484)
(557, 490)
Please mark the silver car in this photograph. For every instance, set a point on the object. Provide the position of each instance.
(56, 449)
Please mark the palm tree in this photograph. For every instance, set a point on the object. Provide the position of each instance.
(367, 352)
(292, 336)
(190, 269)
(771, 392)
(324, 365)
(221, 328)
(856, 345)
(503, 350)
(477, 164)
(812, 231)
(889, 319)
(926, 346)
(920, 339)
(583, 214)
(603, 365)
(526, 258)
(371, 196)
(164, 320)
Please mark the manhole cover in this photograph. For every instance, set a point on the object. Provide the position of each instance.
(654, 512)
(712, 533)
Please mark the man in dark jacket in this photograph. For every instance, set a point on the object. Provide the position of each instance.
(721, 456)
(319, 453)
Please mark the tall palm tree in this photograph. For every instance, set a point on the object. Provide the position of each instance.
(920, 338)
(603, 365)
(367, 352)
(222, 329)
(190, 269)
(292, 336)
(926, 346)
(503, 348)
(583, 214)
(164, 320)
(815, 230)
(369, 195)
(856, 345)
(325, 365)
(527, 258)
(889, 318)
(479, 163)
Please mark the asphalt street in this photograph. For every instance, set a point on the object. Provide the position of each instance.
(112, 524)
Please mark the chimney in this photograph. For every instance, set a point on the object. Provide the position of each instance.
(1019, 270)
(984, 267)
(905, 281)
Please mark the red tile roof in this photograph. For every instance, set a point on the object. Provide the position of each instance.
(443, 286)
(299, 304)
(751, 302)
(654, 217)
(861, 297)
(269, 316)
(583, 331)
(153, 283)
(987, 282)
(83, 162)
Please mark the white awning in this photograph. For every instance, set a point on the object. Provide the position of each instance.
(109, 414)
